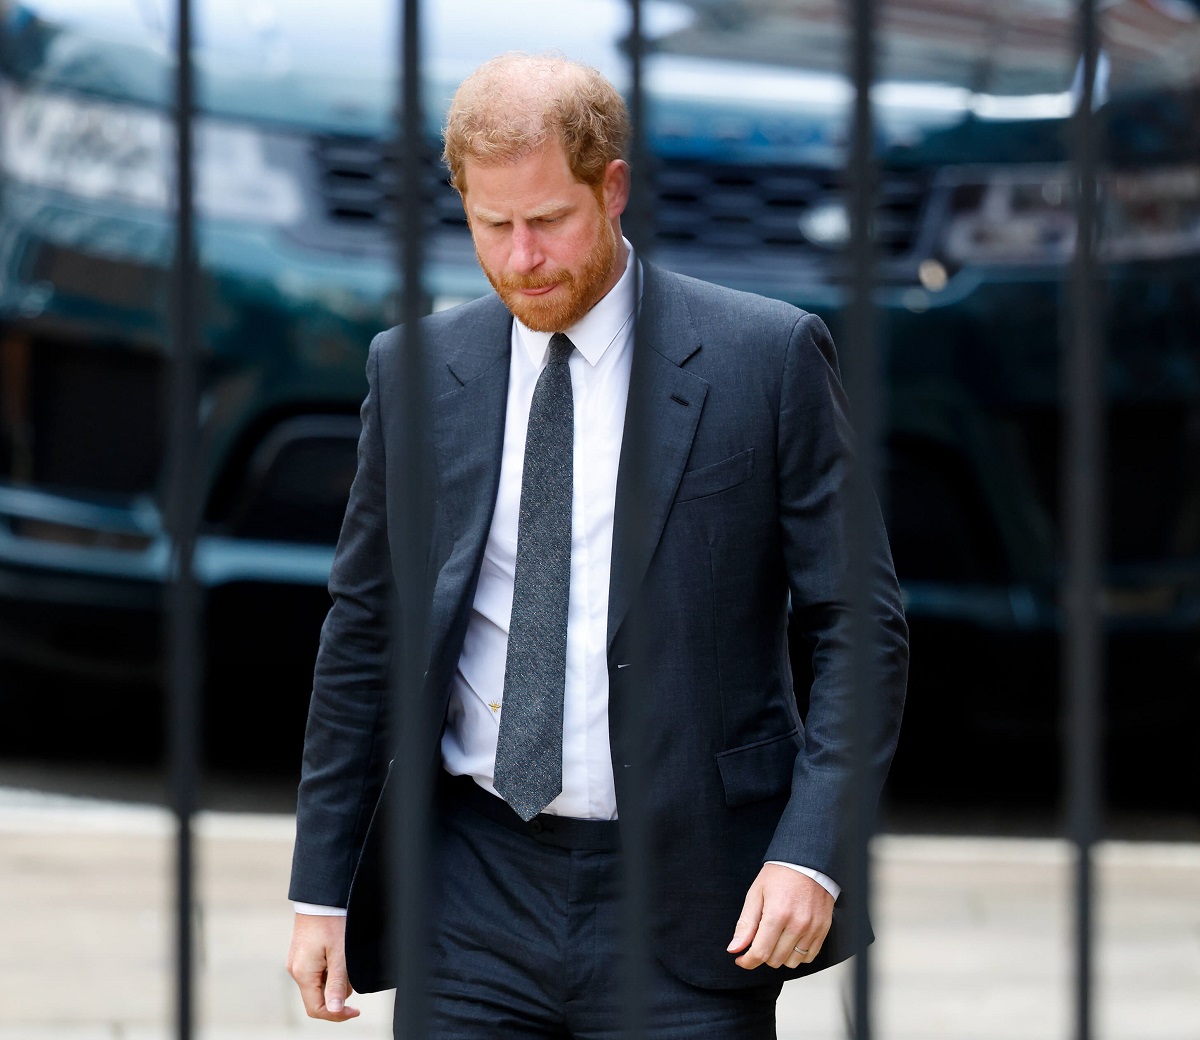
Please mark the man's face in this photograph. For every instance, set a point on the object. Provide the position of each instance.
(549, 245)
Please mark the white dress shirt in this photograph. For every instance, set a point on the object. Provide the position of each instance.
(600, 369)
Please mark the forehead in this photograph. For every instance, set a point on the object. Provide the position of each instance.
(538, 180)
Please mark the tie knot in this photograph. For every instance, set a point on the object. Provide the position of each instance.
(560, 349)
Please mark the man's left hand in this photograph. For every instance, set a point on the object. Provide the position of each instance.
(784, 920)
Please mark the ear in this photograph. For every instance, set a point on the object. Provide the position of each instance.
(616, 188)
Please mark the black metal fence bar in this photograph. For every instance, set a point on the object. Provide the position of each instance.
(183, 599)
(410, 812)
(638, 219)
(635, 830)
(863, 388)
(1082, 467)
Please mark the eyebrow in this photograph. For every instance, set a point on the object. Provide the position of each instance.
(549, 210)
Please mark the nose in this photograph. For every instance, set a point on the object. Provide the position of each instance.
(526, 254)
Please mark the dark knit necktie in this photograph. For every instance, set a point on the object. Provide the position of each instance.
(529, 747)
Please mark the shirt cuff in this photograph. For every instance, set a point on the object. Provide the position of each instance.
(826, 882)
(319, 911)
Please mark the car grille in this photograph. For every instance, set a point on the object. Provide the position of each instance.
(741, 206)
(697, 203)
(359, 185)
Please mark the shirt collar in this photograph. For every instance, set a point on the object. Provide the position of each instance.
(596, 331)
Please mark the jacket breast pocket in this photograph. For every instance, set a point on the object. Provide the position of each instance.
(720, 476)
(759, 770)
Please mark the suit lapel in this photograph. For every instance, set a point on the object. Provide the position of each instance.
(660, 423)
(468, 432)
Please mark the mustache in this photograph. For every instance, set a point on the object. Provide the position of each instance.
(520, 283)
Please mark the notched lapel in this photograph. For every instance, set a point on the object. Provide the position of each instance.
(468, 433)
(665, 403)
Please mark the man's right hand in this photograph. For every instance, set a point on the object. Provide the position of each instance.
(317, 961)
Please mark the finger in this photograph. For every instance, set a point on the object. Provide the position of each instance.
(786, 949)
(337, 991)
(312, 992)
(797, 957)
(805, 950)
(766, 940)
(318, 1006)
(815, 938)
(747, 922)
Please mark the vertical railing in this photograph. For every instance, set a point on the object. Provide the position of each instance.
(638, 220)
(183, 621)
(1083, 375)
(635, 829)
(863, 388)
(410, 813)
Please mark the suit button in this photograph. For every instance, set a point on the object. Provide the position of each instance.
(535, 826)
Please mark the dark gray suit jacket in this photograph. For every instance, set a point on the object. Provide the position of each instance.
(731, 497)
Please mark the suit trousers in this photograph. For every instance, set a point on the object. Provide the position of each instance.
(527, 937)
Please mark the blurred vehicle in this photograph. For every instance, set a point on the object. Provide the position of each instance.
(747, 124)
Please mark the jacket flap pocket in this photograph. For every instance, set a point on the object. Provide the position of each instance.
(720, 476)
(758, 770)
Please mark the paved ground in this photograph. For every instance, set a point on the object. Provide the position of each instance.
(973, 935)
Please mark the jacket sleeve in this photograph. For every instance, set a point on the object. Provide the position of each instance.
(342, 769)
(824, 542)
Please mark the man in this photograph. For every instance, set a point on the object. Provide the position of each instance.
(621, 523)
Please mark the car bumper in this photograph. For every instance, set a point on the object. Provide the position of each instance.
(85, 589)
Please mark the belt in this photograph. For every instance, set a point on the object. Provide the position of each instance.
(566, 832)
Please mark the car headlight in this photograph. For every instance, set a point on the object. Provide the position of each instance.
(110, 151)
(1023, 215)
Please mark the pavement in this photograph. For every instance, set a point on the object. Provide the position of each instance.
(974, 939)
